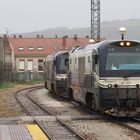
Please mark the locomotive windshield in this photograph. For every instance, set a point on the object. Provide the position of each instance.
(123, 58)
(119, 61)
(62, 63)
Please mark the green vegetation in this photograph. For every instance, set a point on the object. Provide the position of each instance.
(29, 82)
(12, 84)
(6, 85)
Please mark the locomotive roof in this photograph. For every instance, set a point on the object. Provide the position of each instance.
(96, 46)
(60, 52)
(56, 54)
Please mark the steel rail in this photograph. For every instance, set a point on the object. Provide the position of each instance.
(129, 126)
(78, 135)
(26, 109)
(72, 131)
(16, 97)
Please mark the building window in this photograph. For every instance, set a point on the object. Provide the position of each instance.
(21, 49)
(30, 48)
(21, 65)
(40, 65)
(40, 48)
(30, 65)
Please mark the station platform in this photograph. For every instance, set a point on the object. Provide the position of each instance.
(21, 132)
(24, 127)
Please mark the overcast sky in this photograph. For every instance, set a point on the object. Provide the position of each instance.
(33, 15)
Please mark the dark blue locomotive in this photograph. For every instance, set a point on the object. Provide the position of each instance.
(106, 77)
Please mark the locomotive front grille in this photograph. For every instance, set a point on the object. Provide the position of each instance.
(119, 97)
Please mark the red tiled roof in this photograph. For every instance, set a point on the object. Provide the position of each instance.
(49, 45)
(70, 42)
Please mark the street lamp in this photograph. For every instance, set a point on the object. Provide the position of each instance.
(122, 32)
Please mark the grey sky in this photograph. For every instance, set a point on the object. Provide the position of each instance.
(33, 15)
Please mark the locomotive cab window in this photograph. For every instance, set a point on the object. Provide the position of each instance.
(123, 58)
(62, 64)
(120, 61)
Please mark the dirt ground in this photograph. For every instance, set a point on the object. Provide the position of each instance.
(9, 107)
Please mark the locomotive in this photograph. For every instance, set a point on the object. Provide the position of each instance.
(104, 76)
(55, 72)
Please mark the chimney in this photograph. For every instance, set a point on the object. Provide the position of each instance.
(4, 36)
(20, 36)
(14, 36)
(75, 37)
(64, 43)
(38, 36)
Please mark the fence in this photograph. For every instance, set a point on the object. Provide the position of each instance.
(7, 76)
(28, 76)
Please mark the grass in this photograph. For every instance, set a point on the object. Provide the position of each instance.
(10, 85)
(6, 85)
(30, 82)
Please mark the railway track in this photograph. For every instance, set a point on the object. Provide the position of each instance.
(56, 129)
(31, 108)
(132, 124)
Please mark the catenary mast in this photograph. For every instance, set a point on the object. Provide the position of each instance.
(95, 19)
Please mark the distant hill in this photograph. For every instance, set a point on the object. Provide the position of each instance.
(109, 30)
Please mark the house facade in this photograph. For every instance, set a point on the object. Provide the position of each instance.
(1, 51)
(26, 56)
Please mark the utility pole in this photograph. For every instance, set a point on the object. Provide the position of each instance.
(95, 20)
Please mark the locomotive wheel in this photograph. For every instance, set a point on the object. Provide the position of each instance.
(90, 99)
(45, 84)
(93, 104)
(52, 87)
(70, 94)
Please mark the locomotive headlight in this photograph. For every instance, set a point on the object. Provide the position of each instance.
(122, 44)
(109, 86)
(128, 44)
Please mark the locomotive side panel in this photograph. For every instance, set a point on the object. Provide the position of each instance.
(56, 68)
(81, 73)
(105, 76)
(49, 73)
